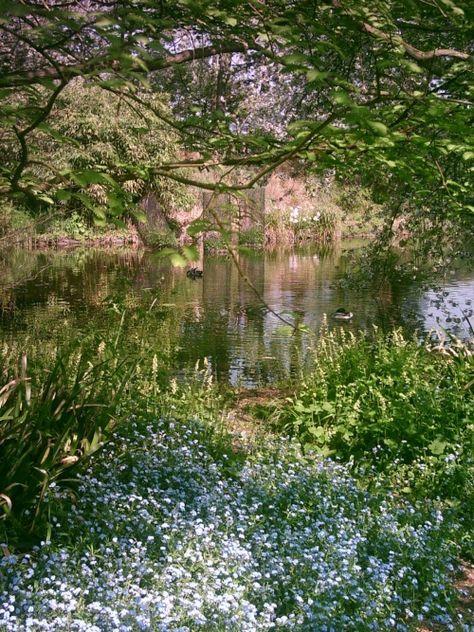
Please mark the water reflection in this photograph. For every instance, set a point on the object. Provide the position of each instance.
(219, 317)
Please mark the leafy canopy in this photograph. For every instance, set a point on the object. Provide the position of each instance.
(375, 89)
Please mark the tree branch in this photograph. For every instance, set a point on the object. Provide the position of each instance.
(417, 54)
(105, 64)
(21, 135)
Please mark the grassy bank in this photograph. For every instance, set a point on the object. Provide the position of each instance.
(297, 210)
(164, 521)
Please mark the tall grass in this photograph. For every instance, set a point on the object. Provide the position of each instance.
(320, 223)
(52, 419)
(60, 406)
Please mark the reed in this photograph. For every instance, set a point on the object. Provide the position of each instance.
(51, 421)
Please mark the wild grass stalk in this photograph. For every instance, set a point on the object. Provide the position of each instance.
(51, 421)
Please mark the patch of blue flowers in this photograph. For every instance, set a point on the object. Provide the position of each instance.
(166, 537)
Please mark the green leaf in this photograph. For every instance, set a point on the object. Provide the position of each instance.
(91, 176)
(379, 128)
(99, 212)
(437, 446)
(191, 253)
(178, 260)
(198, 226)
(412, 67)
(63, 195)
(342, 98)
(140, 216)
(316, 75)
(295, 59)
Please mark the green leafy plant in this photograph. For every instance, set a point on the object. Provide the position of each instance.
(383, 395)
(391, 403)
(51, 421)
(73, 225)
(252, 237)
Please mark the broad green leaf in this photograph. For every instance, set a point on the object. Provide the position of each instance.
(379, 128)
(437, 446)
(191, 253)
(178, 260)
(63, 195)
(140, 216)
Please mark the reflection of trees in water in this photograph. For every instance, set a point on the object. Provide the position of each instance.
(47, 286)
(218, 316)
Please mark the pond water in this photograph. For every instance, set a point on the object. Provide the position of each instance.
(219, 317)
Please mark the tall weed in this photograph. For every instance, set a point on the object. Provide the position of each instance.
(51, 421)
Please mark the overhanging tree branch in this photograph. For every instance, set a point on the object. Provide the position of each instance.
(103, 63)
(417, 54)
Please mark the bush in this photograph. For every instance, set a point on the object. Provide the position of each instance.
(382, 393)
(72, 225)
(14, 219)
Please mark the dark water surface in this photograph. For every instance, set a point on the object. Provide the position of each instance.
(219, 317)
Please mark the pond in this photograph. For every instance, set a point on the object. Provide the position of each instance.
(219, 317)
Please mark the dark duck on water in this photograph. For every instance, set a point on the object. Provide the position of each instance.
(194, 273)
(342, 314)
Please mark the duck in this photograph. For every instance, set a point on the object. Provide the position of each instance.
(194, 273)
(342, 314)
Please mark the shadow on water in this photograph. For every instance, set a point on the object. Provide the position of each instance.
(49, 295)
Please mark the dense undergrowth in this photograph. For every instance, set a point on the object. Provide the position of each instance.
(171, 532)
(392, 403)
(147, 515)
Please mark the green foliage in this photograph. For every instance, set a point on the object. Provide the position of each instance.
(159, 239)
(359, 214)
(215, 243)
(320, 224)
(378, 94)
(252, 237)
(383, 396)
(13, 219)
(51, 421)
(107, 143)
(69, 400)
(388, 402)
(73, 225)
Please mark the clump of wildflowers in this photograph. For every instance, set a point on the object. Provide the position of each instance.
(165, 537)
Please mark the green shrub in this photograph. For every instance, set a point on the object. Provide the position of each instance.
(360, 215)
(383, 394)
(74, 226)
(160, 239)
(13, 219)
(252, 237)
(393, 403)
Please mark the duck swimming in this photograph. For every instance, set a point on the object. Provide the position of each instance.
(194, 273)
(342, 314)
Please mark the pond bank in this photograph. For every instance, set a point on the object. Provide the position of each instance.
(172, 535)
(189, 518)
